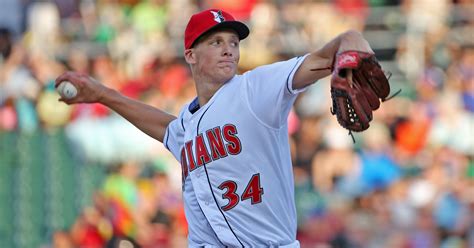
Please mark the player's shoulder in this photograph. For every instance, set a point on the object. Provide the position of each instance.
(182, 111)
(177, 125)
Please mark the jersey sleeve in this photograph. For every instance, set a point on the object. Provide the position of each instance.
(174, 136)
(269, 91)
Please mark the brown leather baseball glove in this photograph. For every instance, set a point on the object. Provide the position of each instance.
(358, 84)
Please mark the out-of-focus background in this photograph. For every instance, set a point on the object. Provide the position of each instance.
(81, 176)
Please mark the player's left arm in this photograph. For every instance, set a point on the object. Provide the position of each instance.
(322, 59)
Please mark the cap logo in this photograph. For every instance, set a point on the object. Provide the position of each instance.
(218, 16)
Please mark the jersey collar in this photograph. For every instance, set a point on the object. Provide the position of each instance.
(194, 106)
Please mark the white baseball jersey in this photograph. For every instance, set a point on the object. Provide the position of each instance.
(234, 152)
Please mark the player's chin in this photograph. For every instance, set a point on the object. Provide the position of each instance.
(228, 70)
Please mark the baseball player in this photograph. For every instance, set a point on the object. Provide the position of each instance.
(232, 139)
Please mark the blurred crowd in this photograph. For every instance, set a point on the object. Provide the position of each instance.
(408, 181)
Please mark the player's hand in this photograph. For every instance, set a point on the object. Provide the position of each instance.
(89, 90)
(354, 41)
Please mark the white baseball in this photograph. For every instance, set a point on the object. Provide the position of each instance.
(67, 90)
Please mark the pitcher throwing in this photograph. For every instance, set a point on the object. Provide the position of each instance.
(232, 139)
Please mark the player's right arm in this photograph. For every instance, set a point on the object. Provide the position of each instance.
(323, 59)
(148, 119)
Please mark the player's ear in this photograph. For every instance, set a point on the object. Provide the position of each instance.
(190, 56)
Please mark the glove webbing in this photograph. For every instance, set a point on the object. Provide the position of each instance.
(335, 93)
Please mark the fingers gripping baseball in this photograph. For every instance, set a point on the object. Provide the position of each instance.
(88, 89)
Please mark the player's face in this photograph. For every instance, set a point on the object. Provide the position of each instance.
(217, 55)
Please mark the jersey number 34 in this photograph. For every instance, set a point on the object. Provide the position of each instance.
(253, 191)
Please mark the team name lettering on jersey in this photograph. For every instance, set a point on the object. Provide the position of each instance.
(221, 142)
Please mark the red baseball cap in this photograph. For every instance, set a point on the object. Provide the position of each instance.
(211, 19)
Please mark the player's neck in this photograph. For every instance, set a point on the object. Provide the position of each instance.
(206, 89)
